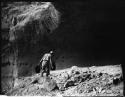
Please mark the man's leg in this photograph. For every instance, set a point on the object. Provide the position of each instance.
(47, 70)
(42, 72)
(42, 68)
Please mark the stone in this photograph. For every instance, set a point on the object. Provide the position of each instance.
(49, 84)
(61, 86)
(63, 77)
(69, 83)
(41, 80)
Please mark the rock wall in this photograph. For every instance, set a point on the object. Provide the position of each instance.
(25, 25)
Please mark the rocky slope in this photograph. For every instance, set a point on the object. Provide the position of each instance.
(74, 81)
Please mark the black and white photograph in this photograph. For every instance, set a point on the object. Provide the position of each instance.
(62, 48)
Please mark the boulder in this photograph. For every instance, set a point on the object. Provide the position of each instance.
(47, 83)
(69, 83)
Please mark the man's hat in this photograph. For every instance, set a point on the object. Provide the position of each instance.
(51, 52)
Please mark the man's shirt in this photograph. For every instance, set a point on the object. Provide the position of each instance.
(46, 57)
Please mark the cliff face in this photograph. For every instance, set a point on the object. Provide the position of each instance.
(34, 20)
(25, 26)
(29, 20)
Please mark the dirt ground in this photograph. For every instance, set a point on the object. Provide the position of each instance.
(74, 81)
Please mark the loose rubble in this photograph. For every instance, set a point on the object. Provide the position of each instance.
(75, 81)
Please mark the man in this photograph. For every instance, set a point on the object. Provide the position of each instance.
(46, 63)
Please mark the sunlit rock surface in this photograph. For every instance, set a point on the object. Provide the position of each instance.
(35, 18)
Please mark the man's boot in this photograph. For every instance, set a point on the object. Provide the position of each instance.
(42, 72)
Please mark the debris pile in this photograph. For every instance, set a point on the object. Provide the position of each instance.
(73, 82)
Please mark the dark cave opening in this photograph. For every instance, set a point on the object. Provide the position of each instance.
(91, 29)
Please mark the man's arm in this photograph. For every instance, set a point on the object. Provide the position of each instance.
(50, 61)
(41, 59)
